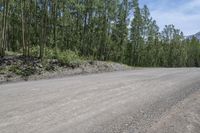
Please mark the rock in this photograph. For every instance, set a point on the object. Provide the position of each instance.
(40, 65)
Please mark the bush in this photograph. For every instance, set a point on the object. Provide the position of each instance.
(28, 71)
(66, 58)
(15, 69)
(24, 72)
(3, 70)
(50, 53)
(69, 58)
(34, 51)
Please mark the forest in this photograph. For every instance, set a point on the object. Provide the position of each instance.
(107, 30)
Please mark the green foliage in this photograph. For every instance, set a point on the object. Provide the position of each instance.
(24, 71)
(69, 58)
(50, 53)
(11, 53)
(3, 70)
(96, 29)
(15, 69)
(34, 51)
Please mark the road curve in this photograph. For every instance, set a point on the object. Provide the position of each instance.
(138, 101)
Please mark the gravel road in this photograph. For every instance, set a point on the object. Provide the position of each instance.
(140, 101)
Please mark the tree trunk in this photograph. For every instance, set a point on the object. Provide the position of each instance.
(44, 30)
(22, 27)
(54, 25)
(2, 50)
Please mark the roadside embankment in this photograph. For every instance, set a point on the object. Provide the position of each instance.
(14, 69)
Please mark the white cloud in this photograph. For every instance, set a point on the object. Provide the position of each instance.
(185, 17)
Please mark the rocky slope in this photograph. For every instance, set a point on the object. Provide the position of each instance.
(197, 35)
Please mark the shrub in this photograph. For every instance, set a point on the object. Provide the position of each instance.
(34, 51)
(3, 70)
(24, 72)
(15, 69)
(28, 71)
(69, 58)
(50, 53)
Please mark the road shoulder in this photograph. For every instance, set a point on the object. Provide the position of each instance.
(182, 118)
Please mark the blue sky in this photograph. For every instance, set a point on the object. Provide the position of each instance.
(184, 14)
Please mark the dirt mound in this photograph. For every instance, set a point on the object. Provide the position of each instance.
(20, 68)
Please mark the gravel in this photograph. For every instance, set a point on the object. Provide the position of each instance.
(138, 101)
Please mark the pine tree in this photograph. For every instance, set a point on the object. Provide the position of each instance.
(136, 31)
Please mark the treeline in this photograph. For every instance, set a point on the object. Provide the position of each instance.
(98, 29)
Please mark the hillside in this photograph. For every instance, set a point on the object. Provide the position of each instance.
(197, 35)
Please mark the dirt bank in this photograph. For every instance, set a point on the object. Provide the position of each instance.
(18, 68)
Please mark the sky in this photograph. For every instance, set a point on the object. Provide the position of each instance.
(184, 14)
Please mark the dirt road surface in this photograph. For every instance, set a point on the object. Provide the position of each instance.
(139, 101)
